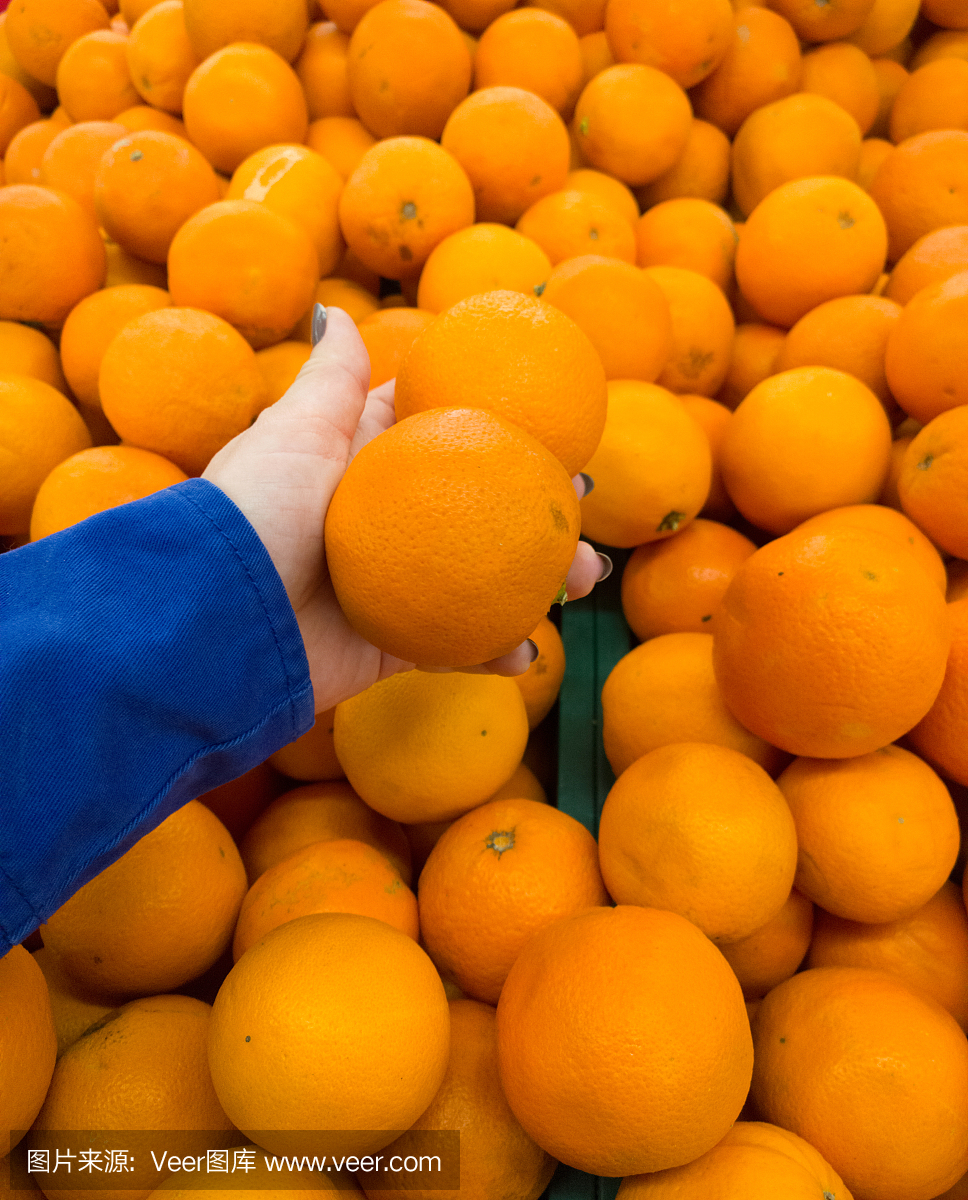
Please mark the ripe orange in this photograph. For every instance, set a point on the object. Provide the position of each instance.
(889, 75)
(142, 117)
(39, 32)
(701, 172)
(73, 1011)
(702, 331)
(341, 140)
(18, 109)
(773, 952)
(930, 483)
(843, 73)
(567, 224)
(322, 71)
(885, 29)
(28, 1041)
(933, 258)
(541, 682)
(160, 55)
(71, 161)
(940, 735)
(605, 187)
(280, 364)
(935, 96)
(873, 152)
(343, 293)
(279, 24)
(714, 419)
(312, 755)
(928, 348)
(533, 50)
(824, 23)
(687, 45)
(26, 149)
(26, 351)
(584, 16)
(689, 233)
(517, 357)
(575, 1069)
(485, 257)
(388, 335)
(756, 348)
(93, 80)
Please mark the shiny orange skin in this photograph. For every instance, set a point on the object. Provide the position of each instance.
(388, 335)
(701, 171)
(160, 55)
(484, 257)
(935, 257)
(25, 151)
(927, 350)
(685, 43)
(534, 50)
(689, 233)
(844, 74)
(279, 24)
(890, 75)
(93, 80)
(567, 224)
(341, 140)
(940, 735)
(39, 32)
(26, 351)
(934, 96)
(714, 418)
(70, 162)
(322, 70)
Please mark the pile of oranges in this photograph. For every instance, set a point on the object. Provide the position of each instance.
(713, 255)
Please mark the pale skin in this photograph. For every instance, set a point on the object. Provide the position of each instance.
(282, 473)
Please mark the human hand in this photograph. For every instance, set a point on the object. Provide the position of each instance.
(282, 473)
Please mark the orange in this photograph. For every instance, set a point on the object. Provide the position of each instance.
(940, 735)
(928, 949)
(39, 428)
(158, 916)
(867, 660)
(754, 354)
(885, 29)
(280, 364)
(40, 31)
(873, 151)
(878, 833)
(686, 44)
(388, 335)
(238, 802)
(496, 1156)
(131, 11)
(933, 97)
(946, 43)
(633, 122)
(311, 756)
(409, 68)
(824, 22)
(576, 1071)
(142, 117)
(94, 480)
(652, 468)
(702, 331)
(322, 70)
(29, 1041)
(26, 351)
(70, 162)
(664, 691)
(160, 55)
(699, 829)
(928, 348)
(921, 186)
(517, 357)
(950, 14)
(406, 195)
(849, 334)
(123, 268)
(689, 233)
(45, 96)
(496, 876)
(605, 187)
(241, 98)
(793, 138)
(567, 224)
(624, 313)
(584, 16)
(843, 73)
(351, 269)
(73, 1011)
(541, 682)
(761, 64)
(342, 293)
(180, 382)
(91, 326)
(316, 990)
(890, 75)
(422, 746)
(474, 16)
(809, 241)
(533, 50)
(279, 24)
(485, 257)
(823, 1040)
(700, 172)
(247, 263)
(93, 80)
(714, 419)
(773, 952)
(320, 812)
(754, 1159)
(26, 149)
(675, 585)
(17, 110)
(513, 146)
(596, 54)
(341, 140)
(341, 875)
(931, 259)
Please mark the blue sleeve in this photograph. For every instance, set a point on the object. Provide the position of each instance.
(147, 655)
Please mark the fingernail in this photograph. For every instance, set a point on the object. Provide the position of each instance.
(534, 649)
(607, 566)
(589, 482)
(319, 323)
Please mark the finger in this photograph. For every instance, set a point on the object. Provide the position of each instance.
(378, 416)
(516, 662)
(588, 567)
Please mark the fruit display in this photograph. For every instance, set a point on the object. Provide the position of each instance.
(679, 912)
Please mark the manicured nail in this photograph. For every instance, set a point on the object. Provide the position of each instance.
(319, 323)
(607, 565)
(589, 482)
(534, 649)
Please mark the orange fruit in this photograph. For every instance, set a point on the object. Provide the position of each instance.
(947, 13)
(702, 331)
(160, 55)
(93, 79)
(518, 358)
(70, 162)
(541, 682)
(513, 146)
(701, 172)
(18, 109)
(714, 419)
(131, 11)
(584, 16)
(39, 428)
(342, 875)
(754, 354)
(878, 834)
(533, 50)
(241, 98)
(889, 75)
(822, 1039)
(46, 97)
(485, 257)
(280, 364)
(158, 916)
(809, 241)
(761, 64)
(933, 97)
(824, 23)
(406, 195)
(279, 24)
(142, 117)
(652, 468)
(687, 45)
(928, 949)
(624, 313)
(931, 259)
(94, 480)
(26, 351)
(342, 293)
(633, 122)
(409, 68)
(388, 335)
(664, 691)
(312, 755)
(40, 31)
(26, 149)
(921, 186)
(575, 1069)
(497, 875)
(29, 1041)
(885, 29)
(247, 263)
(180, 382)
(873, 151)
(123, 268)
(690, 233)
(773, 952)
(596, 54)
(341, 140)
(315, 990)
(699, 829)
(320, 812)
(474, 16)
(422, 746)
(927, 350)
(322, 71)
(946, 43)
(843, 73)
(605, 187)
(868, 657)
(73, 1011)
(675, 585)
(566, 224)
(940, 735)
